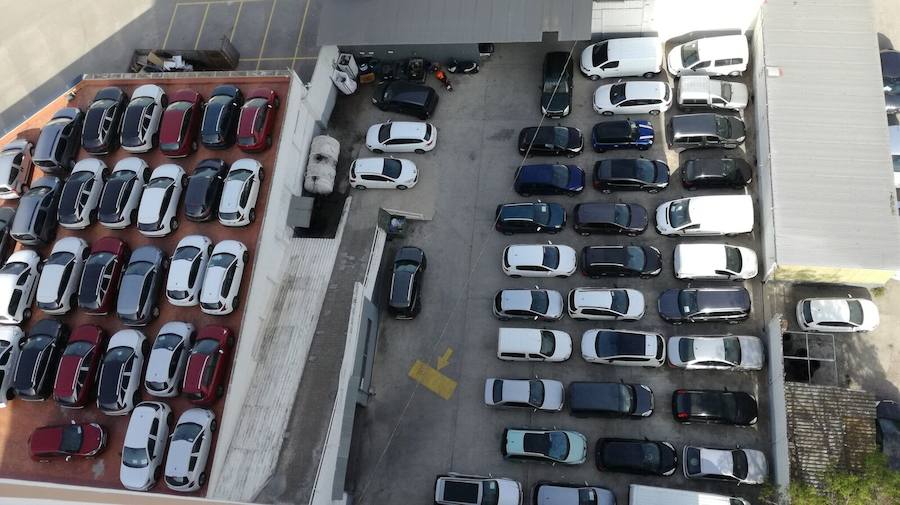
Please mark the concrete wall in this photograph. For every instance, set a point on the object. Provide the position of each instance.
(763, 160)
(779, 457)
(670, 18)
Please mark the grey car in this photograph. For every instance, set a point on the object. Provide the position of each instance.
(58, 144)
(141, 282)
(689, 131)
(7, 215)
(15, 168)
(35, 221)
(553, 493)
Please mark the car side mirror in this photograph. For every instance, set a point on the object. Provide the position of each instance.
(535, 318)
(68, 458)
(221, 351)
(539, 228)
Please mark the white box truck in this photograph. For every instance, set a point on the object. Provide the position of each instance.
(649, 495)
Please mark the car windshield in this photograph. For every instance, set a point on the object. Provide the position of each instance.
(186, 253)
(726, 91)
(206, 346)
(540, 302)
(689, 54)
(560, 176)
(60, 259)
(686, 349)
(619, 301)
(168, 341)
(490, 492)
(541, 213)
(405, 267)
(221, 260)
(138, 269)
(535, 393)
(732, 350)
(723, 127)
(622, 215)
(687, 300)
(160, 182)
(732, 259)
(856, 311)
(551, 257)
(187, 432)
(600, 54)
(14, 268)
(739, 464)
(255, 103)
(78, 349)
(561, 136)
(548, 343)
(239, 175)
(392, 168)
(617, 93)
(384, 132)
(135, 458)
(103, 104)
(635, 258)
(181, 106)
(117, 356)
(559, 445)
(679, 214)
(71, 439)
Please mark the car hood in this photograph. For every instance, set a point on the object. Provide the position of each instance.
(639, 217)
(212, 283)
(68, 368)
(577, 447)
(178, 458)
(740, 95)
(738, 130)
(654, 260)
(668, 304)
(554, 394)
(47, 291)
(231, 195)
(870, 315)
(510, 492)
(555, 103)
(643, 400)
(134, 478)
(179, 271)
(674, 60)
(757, 467)
(752, 353)
(576, 178)
(567, 259)
(555, 306)
(158, 365)
(149, 210)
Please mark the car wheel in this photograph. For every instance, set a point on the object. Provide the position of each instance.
(202, 479)
(220, 390)
(572, 193)
(526, 195)
(252, 215)
(420, 151)
(73, 301)
(648, 75)
(377, 151)
(515, 276)
(607, 113)
(508, 233)
(632, 234)
(359, 186)
(552, 232)
(503, 318)
(734, 74)
(132, 219)
(691, 188)
(235, 304)
(268, 142)
(562, 276)
(135, 398)
(730, 146)
(154, 140)
(10, 394)
(277, 102)
(157, 474)
(601, 150)
(654, 112)
(40, 267)
(401, 187)
(593, 77)
(261, 176)
(213, 426)
(26, 314)
(170, 419)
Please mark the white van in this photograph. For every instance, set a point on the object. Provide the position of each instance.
(699, 91)
(531, 344)
(706, 216)
(724, 55)
(650, 495)
(638, 56)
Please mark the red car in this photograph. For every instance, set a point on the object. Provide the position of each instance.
(179, 125)
(77, 368)
(67, 441)
(204, 376)
(257, 118)
(100, 277)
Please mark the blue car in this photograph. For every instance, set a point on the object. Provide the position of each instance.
(549, 180)
(622, 134)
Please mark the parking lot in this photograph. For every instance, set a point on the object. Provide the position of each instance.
(413, 430)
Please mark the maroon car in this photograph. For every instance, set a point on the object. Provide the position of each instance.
(67, 441)
(100, 277)
(179, 125)
(257, 118)
(207, 366)
(77, 368)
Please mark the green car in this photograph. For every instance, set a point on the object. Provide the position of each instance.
(551, 446)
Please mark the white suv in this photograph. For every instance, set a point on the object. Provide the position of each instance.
(532, 344)
(616, 304)
(401, 137)
(145, 444)
(706, 216)
(714, 262)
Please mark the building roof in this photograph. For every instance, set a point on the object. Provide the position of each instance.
(382, 22)
(828, 428)
(832, 191)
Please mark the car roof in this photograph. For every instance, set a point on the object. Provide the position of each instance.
(525, 254)
(644, 89)
(139, 426)
(695, 124)
(522, 340)
(710, 48)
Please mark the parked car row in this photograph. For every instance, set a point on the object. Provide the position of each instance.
(104, 276)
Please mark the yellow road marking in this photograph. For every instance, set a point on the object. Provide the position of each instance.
(434, 381)
(236, 18)
(444, 360)
(266, 33)
(171, 22)
(202, 24)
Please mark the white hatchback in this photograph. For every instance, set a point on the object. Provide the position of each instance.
(401, 137)
(186, 270)
(383, 173)
(188, 455)
(624, 348)
(157, 214)
(539, 260)
(240, 191)
(616, 304)
(538, 394)
(18, 283)
(145, 444)
(839, 315)
(57, 291)
(222, 281)
(633, 97)
(714, 262)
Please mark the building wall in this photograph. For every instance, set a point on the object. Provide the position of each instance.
(671, 18)
(816, 274)
(432, 52)
(763, 177)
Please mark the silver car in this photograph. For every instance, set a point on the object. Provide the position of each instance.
(18, 282)
(551, 493)
(187, 269)
(536, 304)
(158, 211)
(15, 168)
(189, 450)
(538, 394)
(145, 444)
(119, 383)
(57, 291)
(744, 466)
(168, 358)
(142, 280)
(729, 352)
(459, 489)
(10, 341)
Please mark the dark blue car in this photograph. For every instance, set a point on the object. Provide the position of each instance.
(549, 180)
(622, 134)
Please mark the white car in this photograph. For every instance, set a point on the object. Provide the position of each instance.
(168, 357)
(219, 294)
(532, 344)
(81, 194)
(189, 450)
(383, 173)
(539, 260)
(57, 291)
(728, 352)
(538, 394)
(632, 56)
(706, 216)
(122, 193)
(626, 348)
(18, 283)
(536, 304)
(157, 214)
(633, 97)
(482, 490)
(15, 168)
(744, 466)
(10, 347)
(187, 269)
(606, 304)
(119, 380)
(140, 123)
(401, 137)
(838, 315)
(145, 444)
(237, 207)
(714, 262)
(722, 55)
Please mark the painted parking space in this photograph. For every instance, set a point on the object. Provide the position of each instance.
(432, 378)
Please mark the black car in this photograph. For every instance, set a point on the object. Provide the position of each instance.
(35, 220)
(622, 134)
(530, 217)
(405, 98)
(553, 179)
(204, 188)
(890, 75)
(58, 144)
(41, 351)
(620, 260)
(695, 305)
(714, 407)
(615, 399)
(100, 133)
(551, 141)
(405, 298)
(631, 174)
(716, 173)
(138, 298)
(556, 86)
(220, 115)
(887, 431)
(615, 218)
(7, 214)
(643, 457)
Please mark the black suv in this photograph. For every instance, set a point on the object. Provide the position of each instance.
(204, 188)
(406, 98)
(695, 305)
(715, 173)
(58, 144)
(556, 86)
(631, 174)
(615, 399)
(41, 351)
(620, 260)
(220, 115)
(530, 217)
(643, 457)
(712, 406)
(617, 218)
(551, 141)
(35, 220)
(100, 133)
(405, 299)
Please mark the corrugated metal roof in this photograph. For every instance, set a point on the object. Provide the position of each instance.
(828, 428)
(831, 176)
(387, 22)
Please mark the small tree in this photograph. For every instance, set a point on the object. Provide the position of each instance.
(875, 484)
